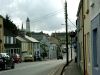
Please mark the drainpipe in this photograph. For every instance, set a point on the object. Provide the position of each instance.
(83, 35)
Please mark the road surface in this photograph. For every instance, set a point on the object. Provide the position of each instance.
(37, 68)
(34, 68)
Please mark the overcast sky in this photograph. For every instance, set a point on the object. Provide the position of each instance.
(44, 15)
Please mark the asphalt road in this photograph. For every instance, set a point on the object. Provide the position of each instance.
(37, 68)
(34, 68)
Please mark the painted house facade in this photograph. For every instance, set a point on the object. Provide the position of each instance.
(79, 37)
(44, 43)
(10, 45)
(22, 44)
(53, 48)
(95, 31)
(1, 35)
(33, 45)
(84, 52)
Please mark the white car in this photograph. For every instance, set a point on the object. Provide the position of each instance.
(28, 58)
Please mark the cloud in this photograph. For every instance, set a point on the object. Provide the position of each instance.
(45, 15)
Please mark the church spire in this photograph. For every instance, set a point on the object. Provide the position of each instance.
(27, 20)
(27, 25)
(22, 26)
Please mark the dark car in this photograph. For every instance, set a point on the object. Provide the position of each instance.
(6, 61)
(60, 56)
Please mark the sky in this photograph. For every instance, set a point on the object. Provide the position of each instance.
(44, 15)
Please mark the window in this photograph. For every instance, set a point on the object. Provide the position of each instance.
(95, 47)
(7, 39)
(4, 39)
(12, 40)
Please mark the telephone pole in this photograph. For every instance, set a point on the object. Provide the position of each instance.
(66, 17)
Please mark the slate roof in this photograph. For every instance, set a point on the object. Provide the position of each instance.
(31, 39)
(21, 39)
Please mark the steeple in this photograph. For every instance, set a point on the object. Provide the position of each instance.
(22, 26)
(27, 25)
(27, 20)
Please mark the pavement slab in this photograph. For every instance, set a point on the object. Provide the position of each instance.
(72, 69)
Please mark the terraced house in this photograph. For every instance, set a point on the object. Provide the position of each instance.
(1, 34)
(84, 52)
(95, 30)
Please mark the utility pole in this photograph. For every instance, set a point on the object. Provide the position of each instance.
(71, 48)
(67, 52)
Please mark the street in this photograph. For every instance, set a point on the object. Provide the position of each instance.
(47, 67)
(34, 68)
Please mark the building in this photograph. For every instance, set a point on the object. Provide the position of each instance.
(44, 43)
(33, 45)
(1, 35)
(22, 44)
(10, 45)
(79, 36)
(87, 38)
(27, 25)
(10, 32)
(60, 36)
(84, 52)
(22, 32)
(54, 43)
(95, 30)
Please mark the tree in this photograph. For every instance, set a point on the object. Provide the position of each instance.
(43, 46)
(10, 26)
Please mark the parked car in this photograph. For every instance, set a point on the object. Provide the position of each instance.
(17, 58)
(60, 56)
(6, 61)
(28, 58)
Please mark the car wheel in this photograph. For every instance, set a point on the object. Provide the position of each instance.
(4, 67)
(12, 66)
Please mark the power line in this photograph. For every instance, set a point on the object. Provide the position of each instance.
(48, 15)
(72, 23)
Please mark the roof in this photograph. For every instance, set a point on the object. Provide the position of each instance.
(31, 39)
(53, 40)
(79, 7)
(21, 39)
(39, 35)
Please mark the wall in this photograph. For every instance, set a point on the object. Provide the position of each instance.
(1, 35)
(95, 29)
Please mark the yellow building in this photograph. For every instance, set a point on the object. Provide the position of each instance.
(1, 35)
(84, 29)
(87, 38)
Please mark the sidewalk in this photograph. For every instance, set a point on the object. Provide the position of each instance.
(57, 70)
(72, 69)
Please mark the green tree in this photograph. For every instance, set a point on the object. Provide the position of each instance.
(9, 25)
